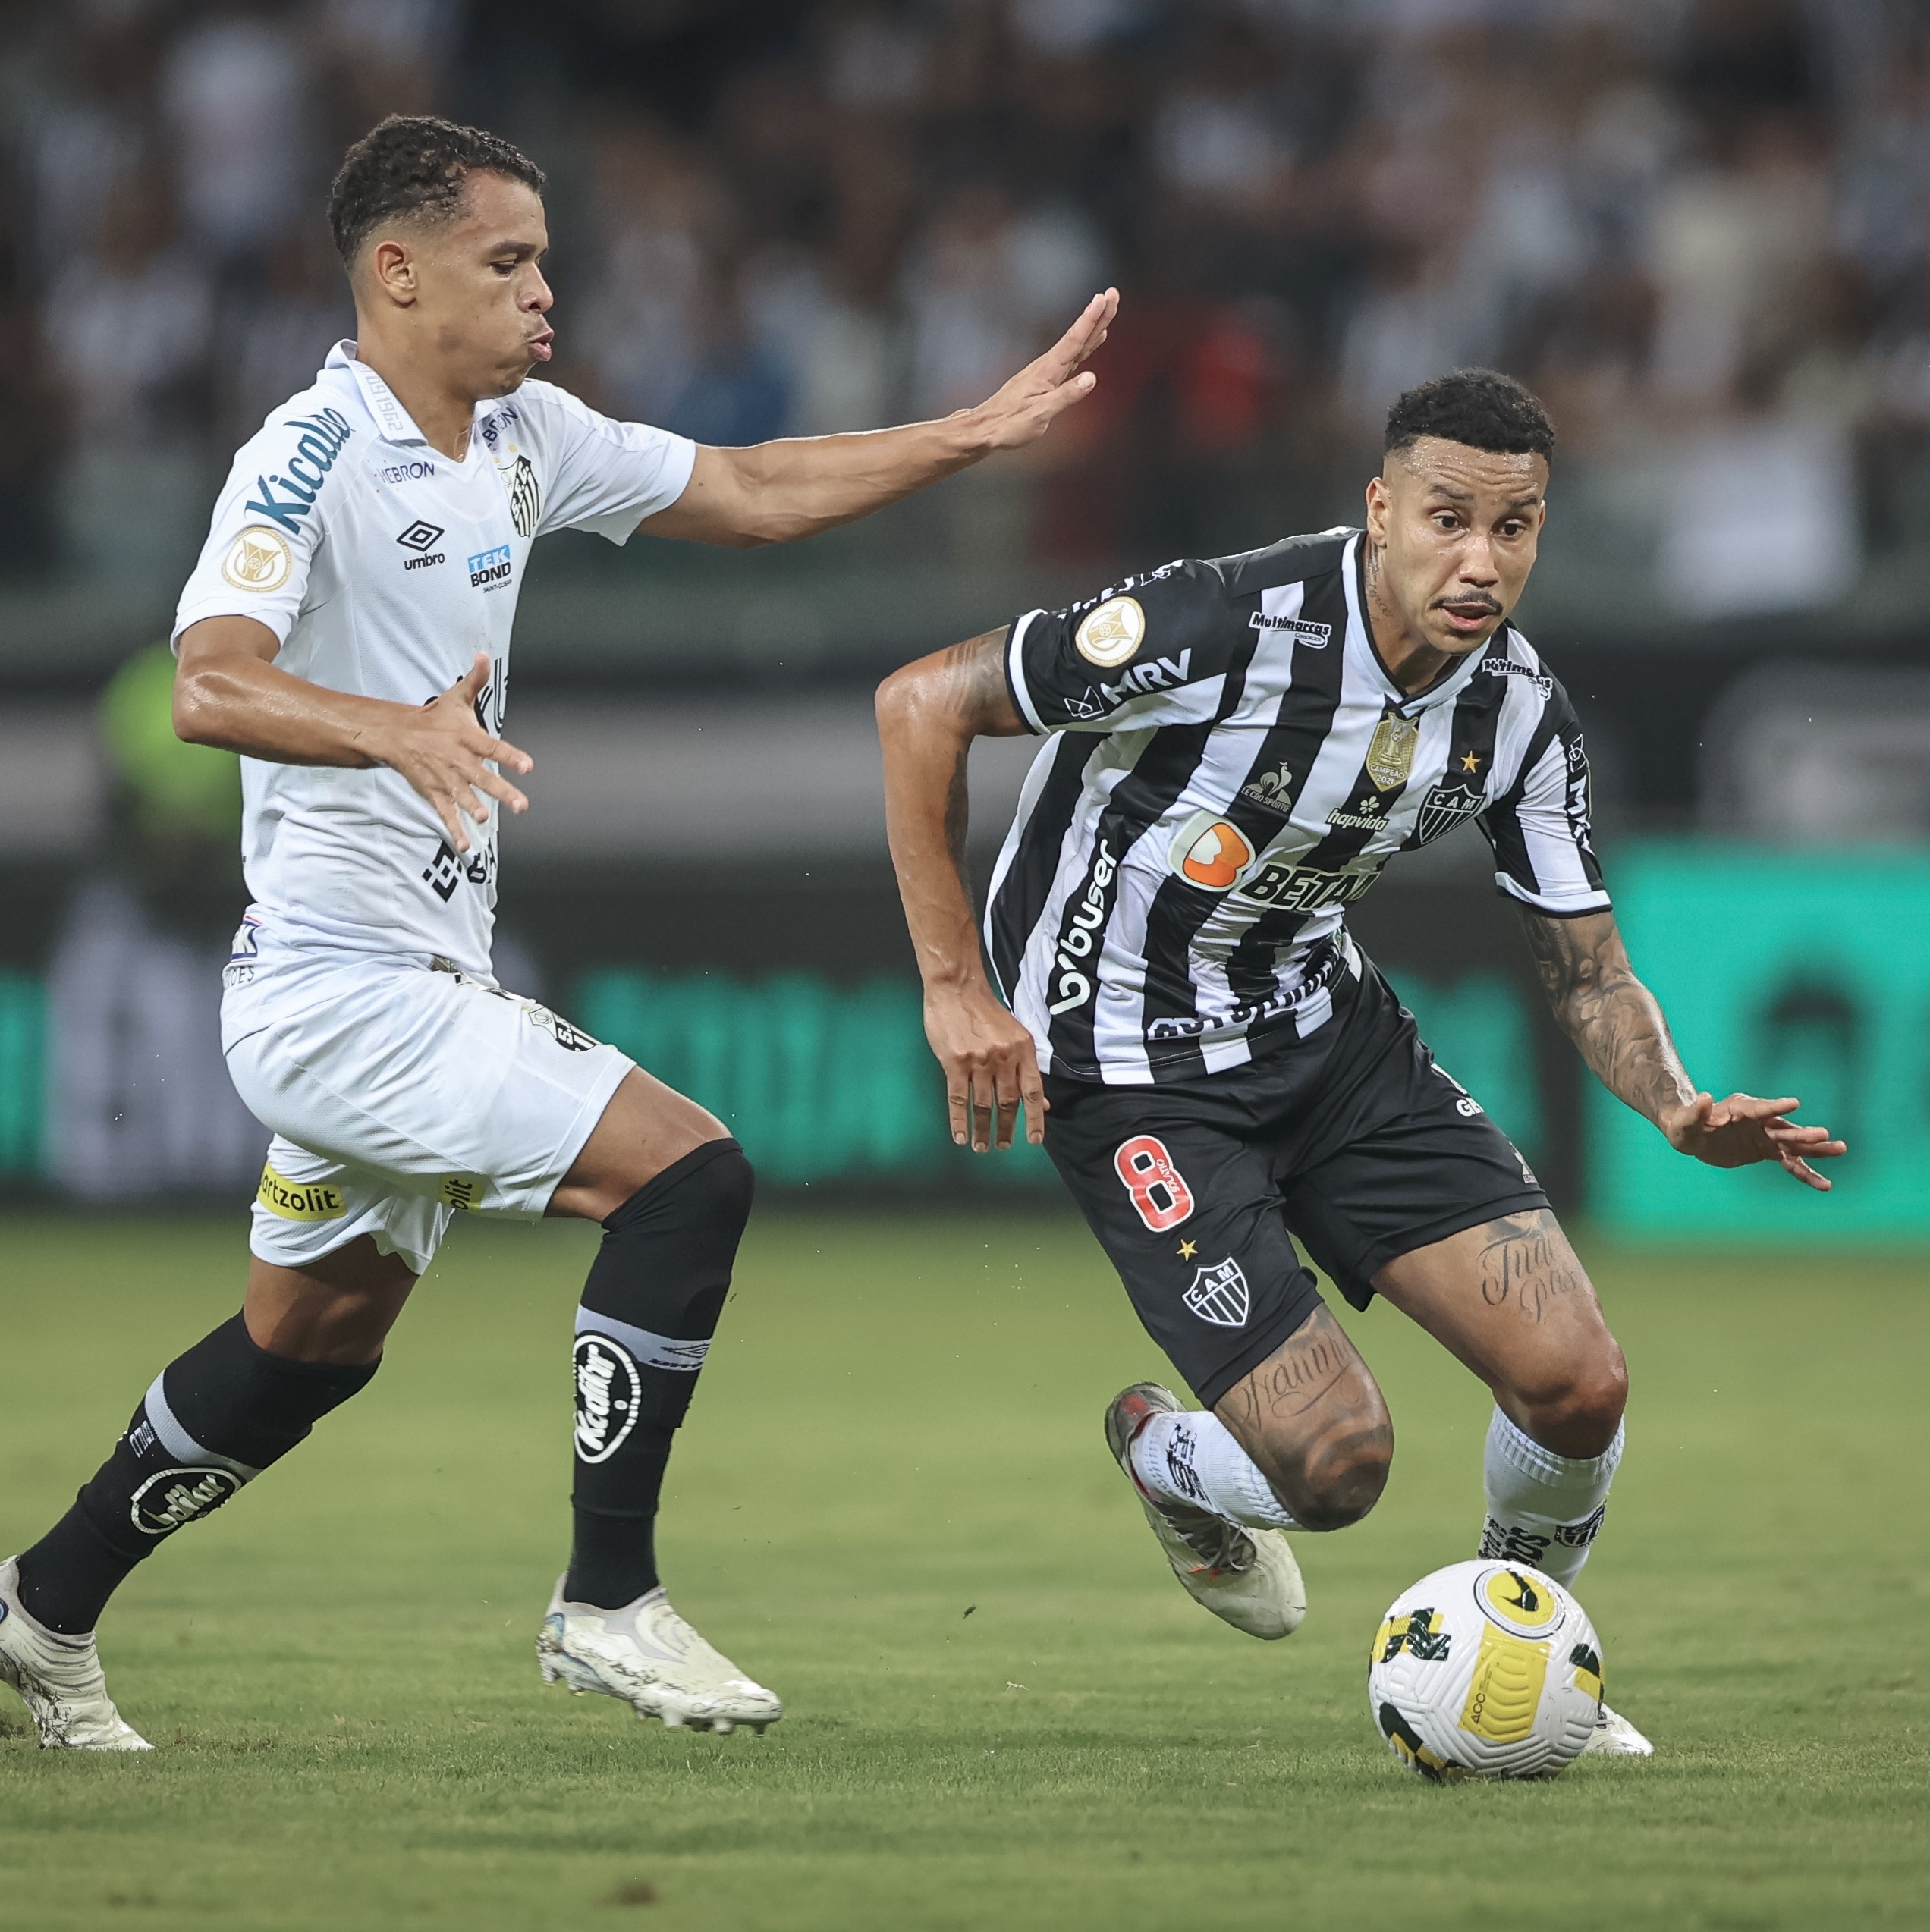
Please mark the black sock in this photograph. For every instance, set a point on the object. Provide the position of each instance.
(650, 1308)
(213, 1420)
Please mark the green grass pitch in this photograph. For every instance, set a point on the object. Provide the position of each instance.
(893, 1502)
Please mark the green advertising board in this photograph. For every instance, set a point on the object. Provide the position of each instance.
(1781, 972)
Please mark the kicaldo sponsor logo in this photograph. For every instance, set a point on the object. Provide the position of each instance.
(287, 495)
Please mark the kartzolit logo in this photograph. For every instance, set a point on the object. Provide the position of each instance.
(607, 1389)
(164, 1502)
(1219, 1294)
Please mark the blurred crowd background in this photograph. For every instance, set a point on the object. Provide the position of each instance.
(1700, 228)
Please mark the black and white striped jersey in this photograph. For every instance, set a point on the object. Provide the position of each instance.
(1234, 768)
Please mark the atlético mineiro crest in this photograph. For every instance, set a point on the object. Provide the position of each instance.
(1219, 1294)
(1446, 807)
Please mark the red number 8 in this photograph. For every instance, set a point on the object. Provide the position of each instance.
(1158, 1189)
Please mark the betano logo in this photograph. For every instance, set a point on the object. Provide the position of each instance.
(1208, 852)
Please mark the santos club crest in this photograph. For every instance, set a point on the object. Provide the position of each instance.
(1219, 1294)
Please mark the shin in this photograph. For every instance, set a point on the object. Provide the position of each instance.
(649, 1309)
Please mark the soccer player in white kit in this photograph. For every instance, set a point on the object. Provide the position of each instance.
(346, 630)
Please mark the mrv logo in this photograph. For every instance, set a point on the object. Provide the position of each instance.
(1156, 676)
(323, 439)
(489, 569)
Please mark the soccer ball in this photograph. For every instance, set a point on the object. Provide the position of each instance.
(1486, 1670)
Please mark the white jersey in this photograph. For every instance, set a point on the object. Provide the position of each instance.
(383, 566)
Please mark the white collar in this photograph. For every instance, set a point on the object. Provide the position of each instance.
(397, 425)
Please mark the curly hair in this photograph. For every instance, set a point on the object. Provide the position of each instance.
(414, 165)
(1481, 407)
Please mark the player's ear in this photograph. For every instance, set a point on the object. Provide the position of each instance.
(1378, 497)
(390, 267)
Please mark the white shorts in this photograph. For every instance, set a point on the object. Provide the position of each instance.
(399, 1092)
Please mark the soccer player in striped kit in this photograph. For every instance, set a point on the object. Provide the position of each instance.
(347, 631)
(1235, 749)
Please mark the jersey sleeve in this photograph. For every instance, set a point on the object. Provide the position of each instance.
(606, 476)
(268, 522)
(1538, 827)
(1155, 650)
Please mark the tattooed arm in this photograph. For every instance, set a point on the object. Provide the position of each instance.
(928, 715)
(1618, 1029)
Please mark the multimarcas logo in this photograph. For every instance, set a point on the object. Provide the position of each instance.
(321, 442)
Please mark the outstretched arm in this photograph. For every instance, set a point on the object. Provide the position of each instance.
(1618, 1028)
(928, 715)
(777, 492)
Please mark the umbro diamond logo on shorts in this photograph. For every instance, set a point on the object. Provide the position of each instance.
(1219, 1294)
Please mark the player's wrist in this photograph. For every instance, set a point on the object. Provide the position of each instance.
(972, 433)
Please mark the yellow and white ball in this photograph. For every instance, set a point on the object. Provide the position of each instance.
(1486, 1670)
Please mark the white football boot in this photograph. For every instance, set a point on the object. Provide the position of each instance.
(59, 1678)
(646, 1654)
(1614, 1736)
(1247, 1577)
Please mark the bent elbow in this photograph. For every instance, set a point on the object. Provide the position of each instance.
(197, 712)
(896, 700)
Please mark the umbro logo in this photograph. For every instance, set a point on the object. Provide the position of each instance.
(422, 537)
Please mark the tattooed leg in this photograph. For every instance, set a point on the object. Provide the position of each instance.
(1512, 1301)
(1311, 1419)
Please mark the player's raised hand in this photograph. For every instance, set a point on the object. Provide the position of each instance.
(444, 753)
(1024, 408)
(1741, 1130)
(990, 1066)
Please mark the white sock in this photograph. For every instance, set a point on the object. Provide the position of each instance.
(1543, 1509)
(1191, 1460)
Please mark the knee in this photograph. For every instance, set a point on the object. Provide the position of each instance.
(1335, 1483)
(728, 1182)
(1577, 1412)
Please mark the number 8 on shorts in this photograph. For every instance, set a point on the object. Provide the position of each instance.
(1159, 1193)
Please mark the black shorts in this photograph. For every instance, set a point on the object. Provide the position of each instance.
(1353, 1138)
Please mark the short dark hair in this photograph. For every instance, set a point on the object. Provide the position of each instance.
(415, 164)
(1481, 407)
